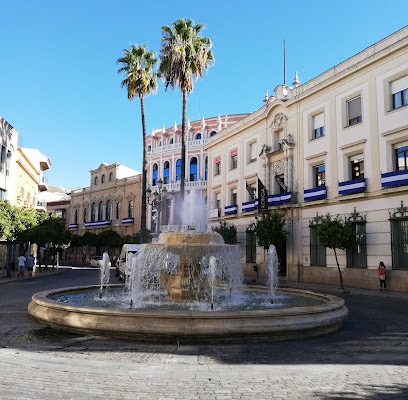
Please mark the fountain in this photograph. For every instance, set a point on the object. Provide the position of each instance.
(188, 287)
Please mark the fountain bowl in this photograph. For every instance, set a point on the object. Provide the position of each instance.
(191, 326)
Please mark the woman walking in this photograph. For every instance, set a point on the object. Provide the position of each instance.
(382, 274)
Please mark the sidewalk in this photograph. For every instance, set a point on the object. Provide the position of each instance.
(44, 271)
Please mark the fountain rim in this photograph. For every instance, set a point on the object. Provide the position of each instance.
(329, 302)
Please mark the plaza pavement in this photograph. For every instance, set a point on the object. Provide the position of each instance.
(366, 359)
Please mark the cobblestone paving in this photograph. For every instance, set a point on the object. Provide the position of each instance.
(366, 359)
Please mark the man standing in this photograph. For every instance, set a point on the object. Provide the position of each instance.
(30, 265)
(21, 265)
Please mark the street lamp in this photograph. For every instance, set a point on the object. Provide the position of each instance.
(159, 201)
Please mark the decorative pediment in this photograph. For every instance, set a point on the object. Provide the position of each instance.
(279, 122)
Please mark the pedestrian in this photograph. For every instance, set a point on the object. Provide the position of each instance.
(382, 274)
(21, 265)
(30, 265)
(83, 256)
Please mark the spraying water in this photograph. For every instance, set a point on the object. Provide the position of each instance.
(273, 270)
(104, 272)
(194, 212)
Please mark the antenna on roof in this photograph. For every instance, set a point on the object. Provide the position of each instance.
(284, 62)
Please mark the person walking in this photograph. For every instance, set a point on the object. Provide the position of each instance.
(30, 265)
(382, 274)
(21, 265)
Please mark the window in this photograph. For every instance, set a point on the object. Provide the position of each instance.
(399, 92)
(217, 170)
(318, 126)
(399, 241)
(155, 176)
(193, 169)
(218, 202)
(401, 158)
(233, 196)
(85, 211)
(117, 210)
(178, 170)
(130, 210)
(356, 253)
(108, 210)
(76, 216)
(166, 173)
(103, 179)
(111, 177)
(234, 159)
(317, 251)
(171, 141)
(206, 168)
(319, 175)
(96, 180)
(198, 136)
(93, 212)
(213, 133)
(100, 211)
(252, 152)
(280, 180)
(357, 167)
(354, 111)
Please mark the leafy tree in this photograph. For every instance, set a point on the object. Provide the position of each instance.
(184, 54)
(270, 229)
(227, 230)
(138, 65)
(15, 220)
(134, 238)
(109, 239)
(334, 233)
(89, 239)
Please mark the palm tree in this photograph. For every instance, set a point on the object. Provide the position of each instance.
(184, 54)
(138, 66)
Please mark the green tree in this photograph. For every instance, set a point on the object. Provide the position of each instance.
(334, 233)
(227, 230)
(184, 54)
(270, 229)
(109, 239)
(138, 65)
(134, 238)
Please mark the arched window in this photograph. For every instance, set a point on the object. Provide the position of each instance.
(130, 212)
(85, 210)
(149, 148)
(155, 175)
(100, 211)
(193, 169)
(110, 176)
(206, 168)
(178, 170)
(108, 210)
(96, 180)
(103, 179)
(171, 141)
(76, 217)
(213, 133)
(93, 212)
(198, 136)
(117, 210)
(166, 173)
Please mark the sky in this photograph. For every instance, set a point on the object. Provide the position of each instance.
(60, 87)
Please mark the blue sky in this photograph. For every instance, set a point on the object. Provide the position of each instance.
(60, 89)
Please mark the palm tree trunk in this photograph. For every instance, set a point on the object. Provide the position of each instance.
(183, 144)
(338, 267)
(143, 229)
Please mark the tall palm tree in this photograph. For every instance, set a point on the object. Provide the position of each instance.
(138, 65)
(184, 54)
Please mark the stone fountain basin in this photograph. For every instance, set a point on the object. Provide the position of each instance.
(192, 326)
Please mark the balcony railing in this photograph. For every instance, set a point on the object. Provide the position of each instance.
(278, 199)
(128, 220)
(396, 178)
(231, 209)
(318, 193)
(97, 223)
(248, 206)
(353, 186)
(73, 226)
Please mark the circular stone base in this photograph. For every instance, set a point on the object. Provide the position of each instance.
(192, 326)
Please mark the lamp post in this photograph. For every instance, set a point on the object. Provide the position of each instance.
(158, 201)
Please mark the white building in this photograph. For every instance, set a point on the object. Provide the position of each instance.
(337, 144)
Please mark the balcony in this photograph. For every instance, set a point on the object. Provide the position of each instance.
(396, 178)
(351, 187)
(318, 193)
(230, 210)
(278, 199)
(73, 226)
(248, 206)
(94, 224)
(128, 220)
(43, 183)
